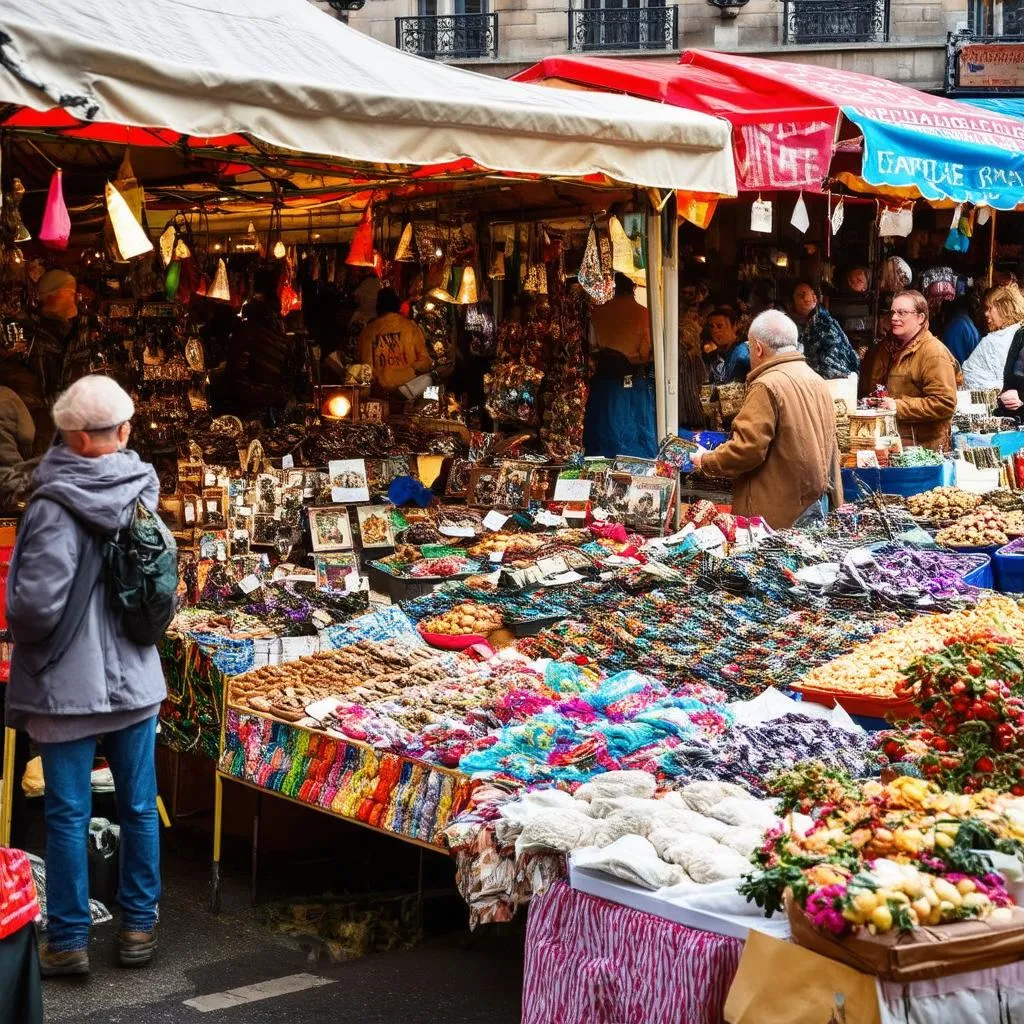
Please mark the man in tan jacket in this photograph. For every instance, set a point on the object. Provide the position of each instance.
(783, 456)
(918, 372)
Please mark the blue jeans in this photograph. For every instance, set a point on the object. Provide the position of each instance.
(67, 768)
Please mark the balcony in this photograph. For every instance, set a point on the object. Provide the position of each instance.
(835, 21)
(623, 28)
(449, 36)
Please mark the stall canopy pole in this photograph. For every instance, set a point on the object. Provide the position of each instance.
(670, 273)
(991, 247)
(655, 311)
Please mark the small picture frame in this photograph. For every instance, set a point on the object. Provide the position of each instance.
(330, 529)
(336, 571)
(375, 527)
(483, 486)
(372, 411)
(458, 478)
(513, 490)
(264, 531)
(348, 481)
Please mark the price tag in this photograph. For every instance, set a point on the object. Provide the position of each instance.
(494, 520)
(210, 479)
(800, 218)
(287, 462)
(458, 531)
(249, 583)
(546, 518)
(761, 217)
(838, 216)
(573, 490)
(496, 556)
(242, 510)
(213, 506)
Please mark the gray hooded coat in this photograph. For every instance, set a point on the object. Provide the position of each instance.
(103, 672)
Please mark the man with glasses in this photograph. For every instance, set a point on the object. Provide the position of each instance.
(918, 373)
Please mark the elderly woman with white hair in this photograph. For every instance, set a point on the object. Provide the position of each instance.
(75, 675)
(783, 455)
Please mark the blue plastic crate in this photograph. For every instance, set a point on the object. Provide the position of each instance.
(904, 481)
(1008, 564)
(983, 575)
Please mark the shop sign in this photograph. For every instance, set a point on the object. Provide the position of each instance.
(990, 65)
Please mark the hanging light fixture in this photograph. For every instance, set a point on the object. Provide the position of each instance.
(360, 252)
(279, 250)
(220, 290)
(56, 229)
(131, 240)
(166, 243)
(404, 253)
(467, 287)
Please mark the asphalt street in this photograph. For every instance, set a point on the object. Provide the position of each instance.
(230, 967)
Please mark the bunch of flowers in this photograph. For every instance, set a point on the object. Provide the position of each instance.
(856, 827)
(970, 729)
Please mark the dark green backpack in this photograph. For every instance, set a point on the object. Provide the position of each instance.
(142, 575)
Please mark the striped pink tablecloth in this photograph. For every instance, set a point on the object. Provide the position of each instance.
(589, 961)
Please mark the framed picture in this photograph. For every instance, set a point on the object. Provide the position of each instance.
(213, 545)
(375, 527)
(648, 502)
(396, 466)
(375, 475)
(483, 486)
(337, 571)
(615, 498)
(372, 411)
(264, 531)
(513, 489)
(348, 480)
(330, 529)
(267, 492)
(458, 478)
(635, 466)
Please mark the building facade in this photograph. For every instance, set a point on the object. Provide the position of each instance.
(901, 40)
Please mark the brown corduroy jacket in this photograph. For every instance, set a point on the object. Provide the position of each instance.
(783, 455)
(923, 380)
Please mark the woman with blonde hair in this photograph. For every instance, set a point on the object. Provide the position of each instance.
(1004, 314)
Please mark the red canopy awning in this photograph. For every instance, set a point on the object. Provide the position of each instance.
(788, 119)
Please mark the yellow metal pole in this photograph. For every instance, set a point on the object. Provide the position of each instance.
(991, 246)
(7, 784)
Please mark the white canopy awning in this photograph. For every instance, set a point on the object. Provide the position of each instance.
(289, 75)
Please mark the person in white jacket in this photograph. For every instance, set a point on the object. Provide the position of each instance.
(1004, 314)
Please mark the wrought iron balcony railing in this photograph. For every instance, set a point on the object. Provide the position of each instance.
(623, 28)
(836, 21)
(449, 36)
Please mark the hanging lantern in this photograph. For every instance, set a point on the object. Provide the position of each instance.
(404, 253)
(467, 287)
(11, 224)
(280, 251)
(497, 271)
(172, 279)
(220, 290)
(131, 240)
(360, 252)
(56, 229)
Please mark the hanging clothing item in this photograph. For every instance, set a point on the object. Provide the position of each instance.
(620, 417)
(826, 347)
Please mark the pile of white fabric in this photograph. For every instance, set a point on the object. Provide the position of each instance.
(700, 834)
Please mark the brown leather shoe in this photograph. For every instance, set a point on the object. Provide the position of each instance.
(53, 963)
(136, 948)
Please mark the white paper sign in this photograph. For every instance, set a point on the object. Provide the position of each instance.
(896, 223)
(801, 219)
(546, 518)
(573, 490)
(243, 511)
(709, 537)
(761, 216)
(494, 520)
(838, 216)
(287, 462)
(496, 556)
(249, 583)
(210, 480)
(982, 215)
(190, 514)
(213, 506)
(348, 480)
(574, 513)
(552, 566)
(457, 531)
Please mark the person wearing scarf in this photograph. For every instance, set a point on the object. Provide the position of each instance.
(918, 373)
(825, 345)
